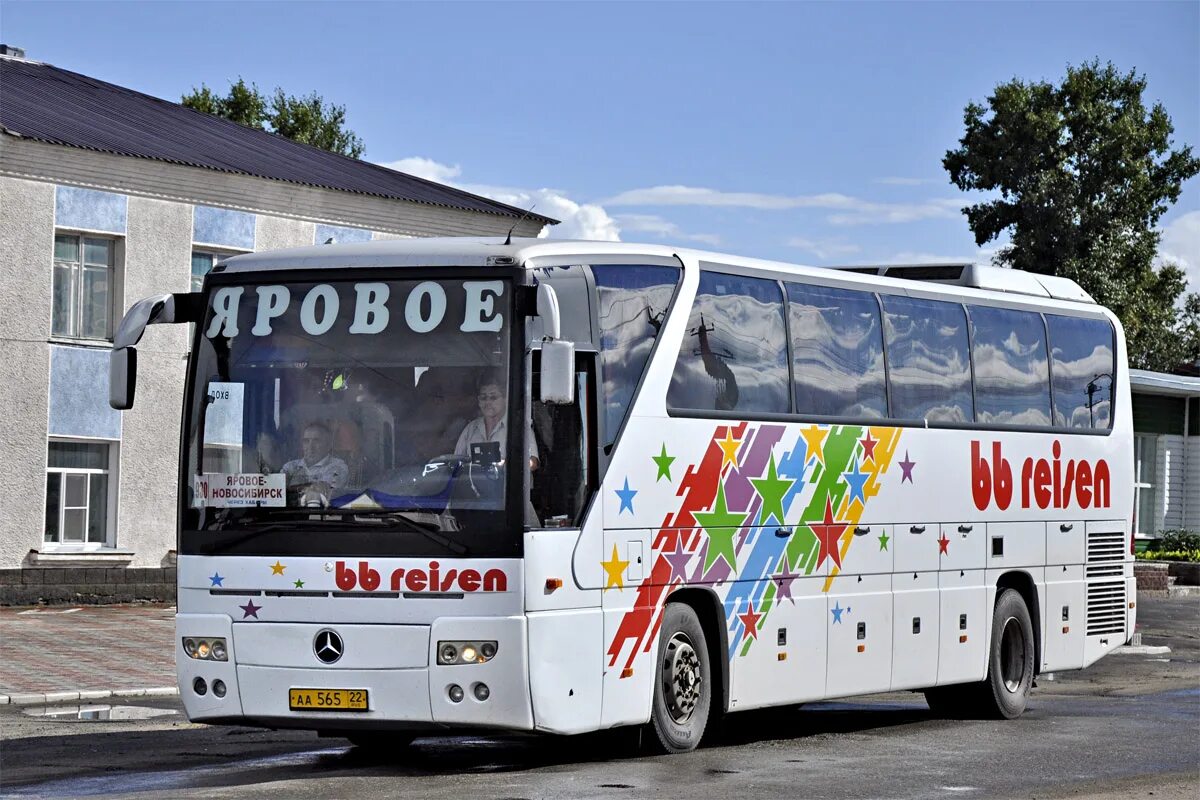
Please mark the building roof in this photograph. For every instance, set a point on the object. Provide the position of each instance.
(1142, 381)
(40, 101)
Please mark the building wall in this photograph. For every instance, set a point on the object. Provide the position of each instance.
(157, 215)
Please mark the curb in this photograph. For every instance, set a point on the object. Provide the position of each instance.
(53, 698)
(1139, 650)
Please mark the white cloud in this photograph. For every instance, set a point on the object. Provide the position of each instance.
(657, 226)
(1180, 245)
(851, 210)
(425, 168)
(824, 249)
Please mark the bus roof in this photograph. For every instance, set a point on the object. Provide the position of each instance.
(978, 280)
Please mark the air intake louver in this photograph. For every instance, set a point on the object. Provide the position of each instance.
(1106, 554)
(1106, 608)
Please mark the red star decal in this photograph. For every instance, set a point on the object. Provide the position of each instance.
(750, 620)
(944, 544)
(828, 533)
(868, 446)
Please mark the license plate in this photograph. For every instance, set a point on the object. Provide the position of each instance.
(327, 700)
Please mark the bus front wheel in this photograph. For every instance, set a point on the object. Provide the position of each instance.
(682, 681)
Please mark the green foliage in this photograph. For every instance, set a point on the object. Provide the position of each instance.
(1175, 540)
(1170, 555)
(1082, 173)
(307, 119)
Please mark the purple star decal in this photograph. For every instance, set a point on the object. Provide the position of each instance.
(250, 610)
(906, 467)
(678, 561)
(783, 583)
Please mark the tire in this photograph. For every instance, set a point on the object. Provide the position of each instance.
(682, 682)
(1005, 691)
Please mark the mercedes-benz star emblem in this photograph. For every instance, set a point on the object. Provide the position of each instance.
(328, 646)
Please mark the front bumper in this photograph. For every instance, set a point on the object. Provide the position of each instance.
(396, 665)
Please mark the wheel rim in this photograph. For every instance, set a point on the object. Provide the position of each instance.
(1012, 655)
(682, 682)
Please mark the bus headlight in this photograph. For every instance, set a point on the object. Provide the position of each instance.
(205, 648)
(466, 652)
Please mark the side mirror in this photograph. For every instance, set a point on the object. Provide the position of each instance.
(558, 373)
(122, 377)
(547, 309)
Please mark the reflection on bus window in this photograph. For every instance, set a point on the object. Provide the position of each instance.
(928, 359)
(1082, 368)
(1012, 378)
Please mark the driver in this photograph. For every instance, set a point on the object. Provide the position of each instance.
(319, 468)
(489, 425)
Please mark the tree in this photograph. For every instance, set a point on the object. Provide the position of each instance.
(1083, 173)
(303, 119)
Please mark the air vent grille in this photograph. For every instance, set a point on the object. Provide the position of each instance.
(1106, 553)
(1106, 608)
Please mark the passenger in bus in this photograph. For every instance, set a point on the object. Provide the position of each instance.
(489, 425)
(318, 470)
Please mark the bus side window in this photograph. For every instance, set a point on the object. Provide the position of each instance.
(1012, 378)
(1081, 365)
(929, 364)
(837, 347)
(734, 356)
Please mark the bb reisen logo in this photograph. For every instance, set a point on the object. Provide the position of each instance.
(1043, 483)
(416, 580)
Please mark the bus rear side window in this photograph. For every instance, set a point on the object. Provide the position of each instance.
(837, 352)
(1012, 378)
(734, 356)
(928, 360)
(1081, 365)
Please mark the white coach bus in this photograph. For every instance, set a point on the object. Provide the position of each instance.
(739, 484)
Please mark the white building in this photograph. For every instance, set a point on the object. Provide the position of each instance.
(106, 196)
(1166, 421)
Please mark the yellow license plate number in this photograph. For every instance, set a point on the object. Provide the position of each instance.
(327, 699)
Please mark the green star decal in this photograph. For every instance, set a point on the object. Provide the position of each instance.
(664, 464)
(883, 540)
(772, 490)
(721, 525)
(299, 584)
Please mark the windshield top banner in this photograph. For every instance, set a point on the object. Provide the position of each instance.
(370, 308)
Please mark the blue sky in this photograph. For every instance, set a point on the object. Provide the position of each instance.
(807, 132)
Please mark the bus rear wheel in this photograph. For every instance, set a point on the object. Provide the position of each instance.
(682, 681)
(1005, 691)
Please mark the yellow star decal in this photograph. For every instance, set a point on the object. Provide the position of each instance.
(814, 440)
(277, 568)
(729, 448)
(615, 568)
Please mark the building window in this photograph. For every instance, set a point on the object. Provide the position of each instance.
(77, 493)
(1145, 478)
(83, 286)
(202, 264)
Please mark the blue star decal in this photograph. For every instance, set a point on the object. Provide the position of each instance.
(217, 578)
(837, 613)
(626, 496)
(856, 480)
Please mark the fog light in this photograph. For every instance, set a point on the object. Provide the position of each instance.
(199, 686)
(482, 692)
(219, 688)
(455, 692)
(189, 647)
(488, 649)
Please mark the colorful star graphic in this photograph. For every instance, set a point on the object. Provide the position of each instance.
(615, 568)
(721, 525)
(664, 464)
(772, 490)
(277, 568)
(299, 584)
(906, 468)
(943, 544)
(783, 583)
(217, 578)
(868, 445)
(883, 540)
(828, 533)
(250, 610)
(729, 448)
(837, 612)
(814, 439)
(750, 620)
(626, 496)
(856, 480)
(678, 561)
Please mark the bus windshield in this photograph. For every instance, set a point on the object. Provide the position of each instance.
(376, 408)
